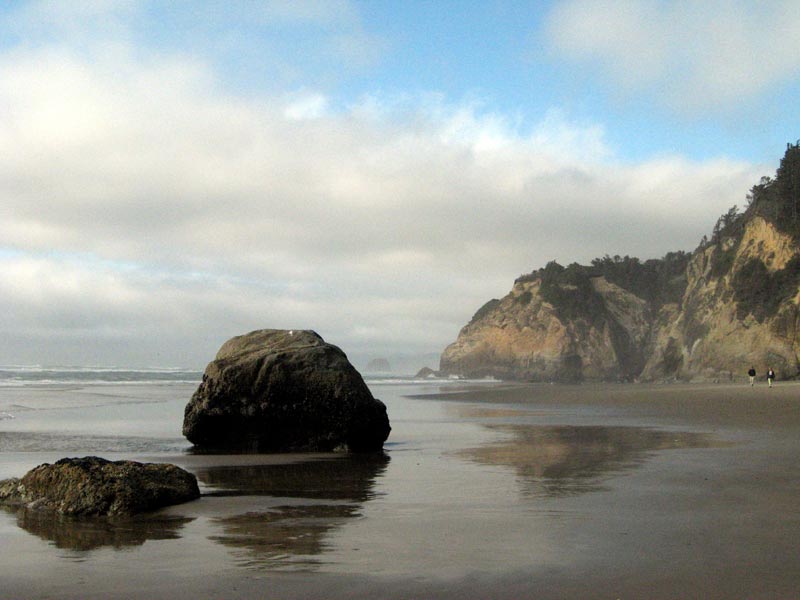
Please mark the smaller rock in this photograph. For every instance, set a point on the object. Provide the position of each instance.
(8, 489)
(93, 486)
(425, 373)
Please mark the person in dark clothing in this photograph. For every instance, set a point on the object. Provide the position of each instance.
(752, 374)
(770, 376)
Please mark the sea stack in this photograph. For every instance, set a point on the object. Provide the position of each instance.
(279, 390)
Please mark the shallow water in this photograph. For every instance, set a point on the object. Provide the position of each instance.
(528, 494)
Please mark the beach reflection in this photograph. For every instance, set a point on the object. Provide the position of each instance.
(345, 477)
(286, 538)
(555, 461)
(85, 534)
(316, 498)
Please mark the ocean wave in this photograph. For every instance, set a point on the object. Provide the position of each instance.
(91, 369)
(15, 375)
(427, 381)
(29, 375)
(24, 441)
(93, 382)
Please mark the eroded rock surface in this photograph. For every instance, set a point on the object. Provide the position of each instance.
(735, 304)
(93, 486)
(278, 390)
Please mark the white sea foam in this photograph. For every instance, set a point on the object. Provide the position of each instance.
(25, 375)
(427, 381)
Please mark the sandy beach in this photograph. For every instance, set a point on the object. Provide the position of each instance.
(501, 491)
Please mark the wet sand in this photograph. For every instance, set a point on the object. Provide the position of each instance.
(537, 491)
(723, 405)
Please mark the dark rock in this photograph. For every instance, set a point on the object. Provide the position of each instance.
(277, 390)
(98, 487)
(425, 373)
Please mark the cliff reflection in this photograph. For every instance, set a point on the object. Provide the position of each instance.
(84, 534)
(557, 461)
(316, 498)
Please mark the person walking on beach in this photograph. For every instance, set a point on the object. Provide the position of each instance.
(770, 376)
(752, 374)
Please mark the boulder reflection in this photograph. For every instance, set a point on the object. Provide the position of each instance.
(347, 477)
(290, 537)
(84, 534)
(314, 499)
(567, 460)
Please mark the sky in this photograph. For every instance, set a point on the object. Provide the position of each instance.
(176, 173)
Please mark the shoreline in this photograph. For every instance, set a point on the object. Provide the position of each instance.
(717, 404)
(503, 491)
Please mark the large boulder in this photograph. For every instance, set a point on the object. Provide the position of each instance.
(277, 390)
(93, 486)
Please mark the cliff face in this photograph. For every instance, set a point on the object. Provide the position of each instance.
(523, 337)
(706, 335)
(730, 305)
(713, 332)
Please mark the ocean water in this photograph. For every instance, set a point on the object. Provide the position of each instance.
(51, 412)
(467, 496)
(265, 512)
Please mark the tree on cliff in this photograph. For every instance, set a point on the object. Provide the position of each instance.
(778, 200)
(728, 225)
(788, 183)
(757, 290)
(657, 280)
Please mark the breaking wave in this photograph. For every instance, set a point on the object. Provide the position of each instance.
(41, 375)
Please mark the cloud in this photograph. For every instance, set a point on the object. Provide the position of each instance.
(306, 106)
(277, 44)
(694, 56)
(149, 211)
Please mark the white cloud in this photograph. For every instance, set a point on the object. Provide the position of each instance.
(694, 56)
(149, 211)
(306, 106)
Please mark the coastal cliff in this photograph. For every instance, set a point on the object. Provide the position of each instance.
(736, 317)
(706, 315)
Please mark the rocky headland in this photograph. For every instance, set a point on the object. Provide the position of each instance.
(710, 314)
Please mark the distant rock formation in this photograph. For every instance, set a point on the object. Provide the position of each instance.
(278, 390)
(379, 365)
(93, 486)
(709, 315)
(426, 373)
